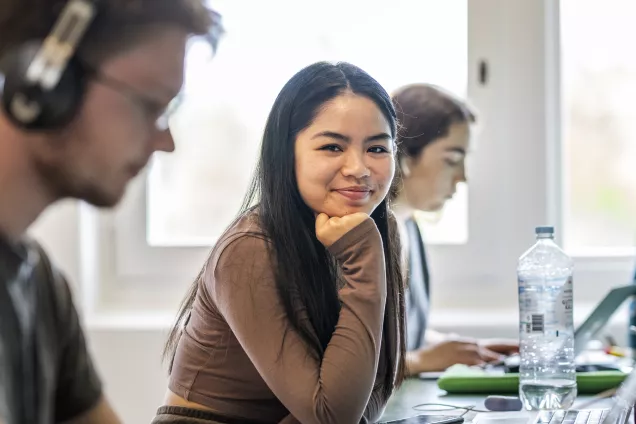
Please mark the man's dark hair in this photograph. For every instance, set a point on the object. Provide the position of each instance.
(117, 25)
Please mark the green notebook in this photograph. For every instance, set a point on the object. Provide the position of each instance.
(461, 379)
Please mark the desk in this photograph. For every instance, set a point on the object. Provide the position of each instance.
(416, 391)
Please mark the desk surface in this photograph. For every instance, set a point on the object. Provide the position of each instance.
(416, 391)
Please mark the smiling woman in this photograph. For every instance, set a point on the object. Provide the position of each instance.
(344, 160)
(296, 315)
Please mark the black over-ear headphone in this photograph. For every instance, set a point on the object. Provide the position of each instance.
(43, 80)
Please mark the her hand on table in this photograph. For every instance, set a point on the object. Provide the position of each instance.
(502, 346)
(445, 354)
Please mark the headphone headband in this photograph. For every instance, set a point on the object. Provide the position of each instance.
(61, 44)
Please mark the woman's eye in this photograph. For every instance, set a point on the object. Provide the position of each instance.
(378, 149)
(331, 148)
(454, 160)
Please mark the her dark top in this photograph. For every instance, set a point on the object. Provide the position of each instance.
(418, 293)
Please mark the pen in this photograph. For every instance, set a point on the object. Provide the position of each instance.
(615, 351)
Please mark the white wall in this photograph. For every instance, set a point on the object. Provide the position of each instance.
(474, 287)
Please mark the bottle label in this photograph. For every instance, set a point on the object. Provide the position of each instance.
(542, 313)
(564, 305)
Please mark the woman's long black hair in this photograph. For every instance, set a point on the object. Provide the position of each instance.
(304, 269)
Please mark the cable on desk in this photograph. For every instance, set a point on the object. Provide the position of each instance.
(440, 407)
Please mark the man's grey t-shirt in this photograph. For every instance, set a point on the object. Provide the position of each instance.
(46, 373)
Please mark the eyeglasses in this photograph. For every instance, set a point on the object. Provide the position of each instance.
(151, 108)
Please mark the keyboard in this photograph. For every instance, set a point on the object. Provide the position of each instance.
(583, 416)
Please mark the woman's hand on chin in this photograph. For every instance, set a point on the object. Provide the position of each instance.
(329, 230)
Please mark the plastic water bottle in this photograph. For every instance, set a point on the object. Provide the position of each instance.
(547, 373)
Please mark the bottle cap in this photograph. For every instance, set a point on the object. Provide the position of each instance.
(544, 230)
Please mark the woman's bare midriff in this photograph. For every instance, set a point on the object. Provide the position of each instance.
(173, 399)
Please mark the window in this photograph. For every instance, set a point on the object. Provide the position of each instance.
(153, 246)
(195, 192)
(599, 124)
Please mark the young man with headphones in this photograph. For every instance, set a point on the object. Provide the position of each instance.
(85, 90)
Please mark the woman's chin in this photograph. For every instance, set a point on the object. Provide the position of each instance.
(346, 210)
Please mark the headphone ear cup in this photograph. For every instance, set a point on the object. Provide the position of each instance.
(49, 110)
